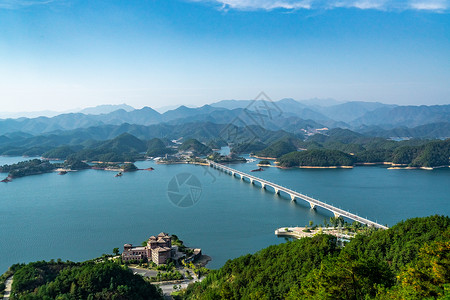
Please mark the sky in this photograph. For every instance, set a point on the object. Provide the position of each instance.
(63, 54)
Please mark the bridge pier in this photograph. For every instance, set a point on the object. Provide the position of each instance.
(263, 185)
(277, 191)
(232, 173)
(313, 206)
(336, 215)
(251, 180)
(292, 197)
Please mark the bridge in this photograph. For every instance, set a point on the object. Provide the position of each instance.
(295, 195)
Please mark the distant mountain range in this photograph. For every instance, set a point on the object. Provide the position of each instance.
(100, 109)
(297, 117)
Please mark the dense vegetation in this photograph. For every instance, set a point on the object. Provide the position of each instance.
(156, 147)
(277, 149)
(124, 147)
(411, 260)
(129, 167)
(223, 159)
(61, 152)
(319, 158)
(66, 280)
(250, 147)
(29, 167)
(37, 166)
(413, 153)
(195, 147)
(74, 164)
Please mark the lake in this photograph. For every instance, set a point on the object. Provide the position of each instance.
(84, 214)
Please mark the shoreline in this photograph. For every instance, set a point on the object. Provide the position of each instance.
(374, 163)
(262, 157)
(298, 232)
(418, 168)
(325, 167)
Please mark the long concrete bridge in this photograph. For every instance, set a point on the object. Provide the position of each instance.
(294, 195)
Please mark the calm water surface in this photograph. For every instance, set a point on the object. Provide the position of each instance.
(83, 214)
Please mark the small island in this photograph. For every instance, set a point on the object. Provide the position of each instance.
(38, 166)
(226, 159)
(317, 159)
(264, 163)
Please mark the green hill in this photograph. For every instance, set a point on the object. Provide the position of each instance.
(90, 280)
(278, 148)
(317, 158)
(124, 143)
(124, 147)
(243, 148)
(195, 146)
(411, 260)
(61, 152)
(156, 147)
(432, 154)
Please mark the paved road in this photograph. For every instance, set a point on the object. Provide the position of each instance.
(167, 288)
(8, 284)
(144, 272)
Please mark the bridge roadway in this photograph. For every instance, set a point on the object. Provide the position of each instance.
(294, 195)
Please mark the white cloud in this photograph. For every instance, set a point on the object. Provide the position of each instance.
(14, 4)
(430, 5)
(265, 4)
(395, 5)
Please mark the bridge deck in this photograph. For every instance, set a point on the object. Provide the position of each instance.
(313, 202)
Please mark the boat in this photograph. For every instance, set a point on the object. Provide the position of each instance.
(7, 179)
(118, 174)
(257, 170)
(62, 173)
(149, 169)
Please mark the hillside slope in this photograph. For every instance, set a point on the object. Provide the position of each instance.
(408, 261)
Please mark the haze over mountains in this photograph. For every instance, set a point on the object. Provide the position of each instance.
(371, 118)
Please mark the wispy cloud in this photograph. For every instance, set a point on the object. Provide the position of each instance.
(431, 5)
(15, 4)
(387, 5)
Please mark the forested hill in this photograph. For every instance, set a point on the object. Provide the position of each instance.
(411, 260)
(87, 280)
(316, 158)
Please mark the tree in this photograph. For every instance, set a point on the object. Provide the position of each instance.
(116, 251)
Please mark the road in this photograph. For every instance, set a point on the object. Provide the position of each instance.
(144, 272)
(167, 288)
(8, 284)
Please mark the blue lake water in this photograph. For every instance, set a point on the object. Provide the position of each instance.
(83, 214)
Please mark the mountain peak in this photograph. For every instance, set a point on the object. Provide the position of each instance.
(105, 109)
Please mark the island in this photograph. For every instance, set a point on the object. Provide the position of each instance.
(25, 168)
(317, 159)
(226, 159)
(38, 166)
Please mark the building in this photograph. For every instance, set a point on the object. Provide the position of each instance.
(158, 250)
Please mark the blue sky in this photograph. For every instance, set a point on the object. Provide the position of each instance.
(63, 54)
